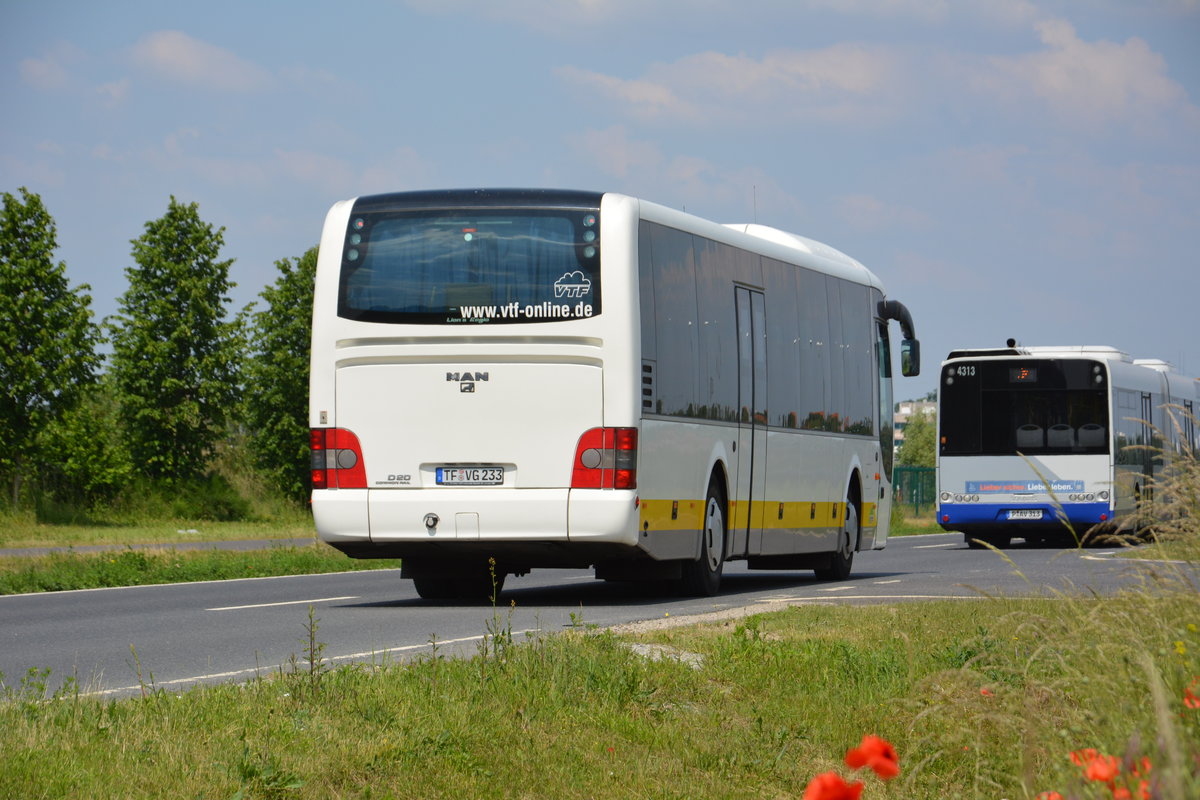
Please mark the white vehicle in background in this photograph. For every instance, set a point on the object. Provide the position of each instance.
(510, 379)
(1049, 443)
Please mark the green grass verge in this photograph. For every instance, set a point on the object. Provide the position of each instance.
(982, 699)
(23, 531)
(905, 522)
(73, 570)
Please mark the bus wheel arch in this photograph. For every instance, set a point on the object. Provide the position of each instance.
(702, 577)
(841, 560)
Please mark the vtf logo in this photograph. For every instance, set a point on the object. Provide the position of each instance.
(466, 380)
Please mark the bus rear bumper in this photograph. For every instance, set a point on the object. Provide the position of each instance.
(960, 516)
(479, 515)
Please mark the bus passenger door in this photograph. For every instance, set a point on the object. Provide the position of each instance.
(1143, 491)
(749, 493)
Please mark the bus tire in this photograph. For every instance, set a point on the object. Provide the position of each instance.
(841, 560)
(981, 541)
(702, 577)
(472, 583)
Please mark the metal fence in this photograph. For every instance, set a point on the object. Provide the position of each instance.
(914, 486)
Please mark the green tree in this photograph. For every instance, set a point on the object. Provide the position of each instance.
(276, 395)
(176, 355)
(917, 449)
(86, 461)
(48, 351)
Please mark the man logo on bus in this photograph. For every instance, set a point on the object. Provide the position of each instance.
(466, 380)
(573, 284)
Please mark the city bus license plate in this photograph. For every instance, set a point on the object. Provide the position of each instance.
(470, 476)
(1025, 513)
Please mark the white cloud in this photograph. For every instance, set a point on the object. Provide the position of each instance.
(643, 97)
(640, 168)
(565, 18)
(842, 82)
(178, 57)
(400, 170)
(867, 212)
(614, 153)
(559, 16)
(115, 92)
(334, 175)
(1089, 83)
(52, 70)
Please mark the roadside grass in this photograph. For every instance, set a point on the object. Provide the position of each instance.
(24, 530)
(73, 570)
(907, 522)
(984, 698)
(1073, 696)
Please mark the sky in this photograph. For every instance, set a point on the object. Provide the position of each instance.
(1008, 168)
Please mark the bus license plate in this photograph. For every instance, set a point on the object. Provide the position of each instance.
(1025, 513)
(470, 476)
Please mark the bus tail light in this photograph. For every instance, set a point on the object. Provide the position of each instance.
(336, 459)
(606, 458)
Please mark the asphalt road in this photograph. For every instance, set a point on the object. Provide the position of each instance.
(114, 641)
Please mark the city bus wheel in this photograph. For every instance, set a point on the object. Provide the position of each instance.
(472, 583)
(480, 584)
(435, 586)
(842, 559)
(996, 540)
(702, 577)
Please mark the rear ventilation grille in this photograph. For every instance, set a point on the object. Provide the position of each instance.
(647, 386)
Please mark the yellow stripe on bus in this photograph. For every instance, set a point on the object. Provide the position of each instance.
(672, 515)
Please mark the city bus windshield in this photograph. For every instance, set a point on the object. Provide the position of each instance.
(462, 266)
(1032, 407)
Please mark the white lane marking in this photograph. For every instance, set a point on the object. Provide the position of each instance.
(148, 586)
(1112, 558)
(836, 589)
(928, 546)
(873, 597)
(885, 583)
(256, 671)
(285, 603)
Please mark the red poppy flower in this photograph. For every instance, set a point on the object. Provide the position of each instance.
(1049, 796)
(1121, 793)
(830, 786)
(877, 754)
(1084, 757)
(1189, 697)
(1139, 768)
(1103, 769)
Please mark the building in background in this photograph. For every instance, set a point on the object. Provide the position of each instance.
(904, 411)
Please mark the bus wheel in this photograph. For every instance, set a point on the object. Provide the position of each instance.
(702, 577)
(996, 540)
(842, 559)
(435, 586)
(473, 583)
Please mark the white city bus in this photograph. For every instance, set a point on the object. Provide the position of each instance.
(1051, 443)
(510, 379)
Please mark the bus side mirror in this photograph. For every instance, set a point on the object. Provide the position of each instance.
(910, 358)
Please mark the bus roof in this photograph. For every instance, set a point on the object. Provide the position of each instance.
(1103, 352)
(765, 240)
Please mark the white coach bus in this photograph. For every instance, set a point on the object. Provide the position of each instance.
(510, 379)
(1049, 443)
